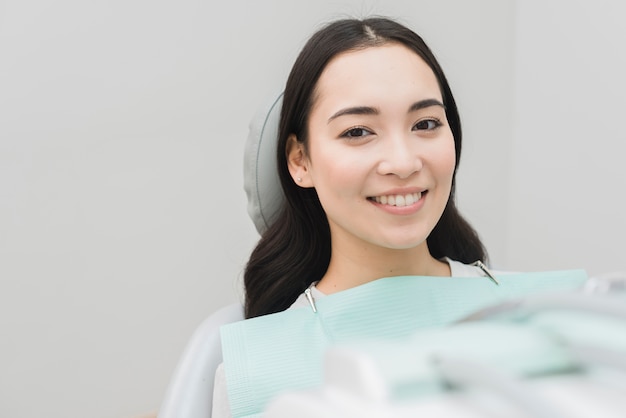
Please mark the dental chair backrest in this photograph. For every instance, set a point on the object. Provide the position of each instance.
(261, 181)
(190, 391)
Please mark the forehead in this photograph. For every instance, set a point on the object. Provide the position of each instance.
(390, 72)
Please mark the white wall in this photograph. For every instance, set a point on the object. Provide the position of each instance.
(567, 178)
(122, 214)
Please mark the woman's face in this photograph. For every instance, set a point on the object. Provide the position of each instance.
(380, 154)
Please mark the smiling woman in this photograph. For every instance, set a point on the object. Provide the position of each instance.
(368, 147)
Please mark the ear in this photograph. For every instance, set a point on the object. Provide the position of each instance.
(297, 162)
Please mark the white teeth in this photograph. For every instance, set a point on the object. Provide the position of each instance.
(398, 199)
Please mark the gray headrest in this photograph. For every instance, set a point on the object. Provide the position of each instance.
(260, 172)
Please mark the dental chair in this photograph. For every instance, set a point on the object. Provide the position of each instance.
(190, 391)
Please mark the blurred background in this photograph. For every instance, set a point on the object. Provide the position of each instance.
(122, 125)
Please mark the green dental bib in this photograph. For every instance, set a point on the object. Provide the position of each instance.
(267, 355)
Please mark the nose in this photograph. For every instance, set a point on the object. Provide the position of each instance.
(400, 157)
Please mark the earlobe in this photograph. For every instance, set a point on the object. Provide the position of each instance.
(297, 162)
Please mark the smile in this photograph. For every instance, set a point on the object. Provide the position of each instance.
(399, 200)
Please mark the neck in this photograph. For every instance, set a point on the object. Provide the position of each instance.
(353, 266)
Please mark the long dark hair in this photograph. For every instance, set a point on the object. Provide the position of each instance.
(295, 250)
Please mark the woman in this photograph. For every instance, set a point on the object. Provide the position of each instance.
(367, 115)
(369, 143)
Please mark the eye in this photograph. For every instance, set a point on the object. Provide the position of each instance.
(427, 125)
(356, 132)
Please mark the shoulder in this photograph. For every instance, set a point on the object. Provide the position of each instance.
(302, 300)
(458, 269)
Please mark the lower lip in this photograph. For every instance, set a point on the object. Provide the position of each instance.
(401, 210)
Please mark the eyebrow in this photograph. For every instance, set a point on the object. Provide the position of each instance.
(367, 110)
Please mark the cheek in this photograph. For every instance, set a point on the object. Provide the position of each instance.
(336, 181)
(332, 167)
(446, 161)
